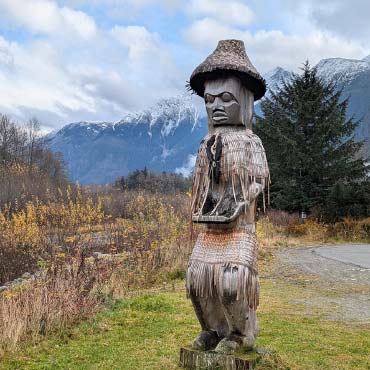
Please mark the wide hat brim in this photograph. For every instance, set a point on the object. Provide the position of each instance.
(229, 58)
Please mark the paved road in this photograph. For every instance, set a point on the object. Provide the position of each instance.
(340, 279)
(347, 262)
(355, 254)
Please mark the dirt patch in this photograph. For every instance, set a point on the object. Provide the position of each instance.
(333, 289)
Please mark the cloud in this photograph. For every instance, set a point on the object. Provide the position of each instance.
(120, 70)
(230, 13)
(44, 16)
(139, 41)
(126, 9)
(61, 63)
(269, 49)
(348, 19)
(188, 166)
(149, 60)
(36, 78)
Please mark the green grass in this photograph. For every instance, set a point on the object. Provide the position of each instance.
(146, 333)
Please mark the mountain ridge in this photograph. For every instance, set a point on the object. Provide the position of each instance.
(166, 136)
(163, 138)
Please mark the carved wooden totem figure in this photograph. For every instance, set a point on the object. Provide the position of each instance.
(230, 172)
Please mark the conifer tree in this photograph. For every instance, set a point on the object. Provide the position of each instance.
(309, 143)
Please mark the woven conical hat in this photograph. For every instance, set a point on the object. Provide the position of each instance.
(229, 57)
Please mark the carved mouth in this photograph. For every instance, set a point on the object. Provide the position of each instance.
(219, 116)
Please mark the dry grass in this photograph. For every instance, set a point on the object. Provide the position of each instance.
(70, 289)
(151, 242)
(152, 245)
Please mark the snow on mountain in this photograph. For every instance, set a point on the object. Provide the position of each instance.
(350, 75)
(88, 128)
(160, 138)
(166, 136)
(275, 77)
(169, 113)
(342, 70)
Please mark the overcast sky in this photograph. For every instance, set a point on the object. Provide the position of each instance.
(74, 60)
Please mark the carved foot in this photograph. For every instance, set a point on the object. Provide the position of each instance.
(206, 341)
(235, 343)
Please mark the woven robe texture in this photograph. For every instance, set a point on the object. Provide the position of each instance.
(216, 251)
(243, 162)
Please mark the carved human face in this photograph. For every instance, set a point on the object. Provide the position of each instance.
(221, 97)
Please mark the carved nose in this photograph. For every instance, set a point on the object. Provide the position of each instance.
(218, 105)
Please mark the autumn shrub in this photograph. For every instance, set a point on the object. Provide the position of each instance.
(348, 229)
(281, 218)
(27, 235)
(351, 229)
(68, 289)
(86, 256)
(309, 231)
(22, 243)
(154, 235)
(21, 184)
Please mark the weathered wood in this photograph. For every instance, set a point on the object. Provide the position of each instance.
(192, 359)
(230, 171)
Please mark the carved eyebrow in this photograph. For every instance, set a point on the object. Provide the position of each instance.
(207, 93)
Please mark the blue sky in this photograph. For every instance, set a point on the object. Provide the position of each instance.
(73, 60)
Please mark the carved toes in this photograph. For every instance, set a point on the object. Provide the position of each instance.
(235, 343)
(206, 341)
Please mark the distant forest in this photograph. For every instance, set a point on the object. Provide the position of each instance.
(163, 182)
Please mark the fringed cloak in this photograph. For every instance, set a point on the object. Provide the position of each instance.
(243, 162)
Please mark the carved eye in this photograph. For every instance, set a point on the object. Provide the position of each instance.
(209, 98)
(226, 97)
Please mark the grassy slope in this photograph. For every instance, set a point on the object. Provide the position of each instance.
(146, 333)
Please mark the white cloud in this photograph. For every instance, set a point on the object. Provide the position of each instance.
(230, 13)
(139, 41)
(126, 68)
(127, 9)
(188, 166)
(44, 16)
(169, 4)
(149, 60)
(207, 31)
(348, 19)
(269, 49)
(37, 79)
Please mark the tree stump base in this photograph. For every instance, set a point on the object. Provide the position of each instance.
(193, 359)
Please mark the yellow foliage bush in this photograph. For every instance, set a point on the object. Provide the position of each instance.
(21, 242)
(351, 229)
(310, 227)
(26, 235)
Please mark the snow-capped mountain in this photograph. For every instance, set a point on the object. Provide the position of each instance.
(162, 138)
(166, 137)
(275, 78)
(168, 113)
(342, 70)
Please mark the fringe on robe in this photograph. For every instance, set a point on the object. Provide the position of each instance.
(243, 161)
(217, 251)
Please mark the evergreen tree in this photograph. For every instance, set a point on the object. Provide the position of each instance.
(309, 143)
